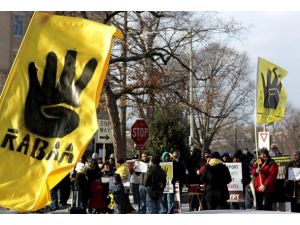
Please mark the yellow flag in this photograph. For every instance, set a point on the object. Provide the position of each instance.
(271, 95)
(48, 105)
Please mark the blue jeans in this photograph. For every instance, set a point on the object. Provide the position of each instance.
(153, 205)
(142, 200)
(167, 203)
(135, 193)
(54, 197)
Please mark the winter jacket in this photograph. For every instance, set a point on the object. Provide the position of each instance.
(178, 173)
(98, 195)
(216, 177)
(192, 165)
(267, 176)
(155, 181)
(118, 190)
(124, 172)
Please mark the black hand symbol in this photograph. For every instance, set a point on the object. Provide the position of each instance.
(49, 108)
(271, 90)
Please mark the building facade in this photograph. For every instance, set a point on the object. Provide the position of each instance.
(13, 26)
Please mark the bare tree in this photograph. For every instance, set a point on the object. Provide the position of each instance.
(222, 89)
(286, 133)
(153, 41)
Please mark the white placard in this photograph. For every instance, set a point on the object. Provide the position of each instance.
(294, 173)
(140, 166)
(105, 179)
(235, 170)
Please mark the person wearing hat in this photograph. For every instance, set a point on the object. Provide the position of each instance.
(265, 171)
(216, 176)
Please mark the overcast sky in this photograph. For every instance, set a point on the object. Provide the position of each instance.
(274, 36)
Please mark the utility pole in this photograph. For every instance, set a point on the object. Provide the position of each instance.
(191, 138)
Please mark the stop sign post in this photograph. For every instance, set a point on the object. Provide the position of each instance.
(140, 134)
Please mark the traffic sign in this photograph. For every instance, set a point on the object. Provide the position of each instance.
(104, 133)
(264, 140)
(140, 133)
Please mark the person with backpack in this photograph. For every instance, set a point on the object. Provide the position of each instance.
(155, 182)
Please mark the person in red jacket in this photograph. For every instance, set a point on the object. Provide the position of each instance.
(265, 172)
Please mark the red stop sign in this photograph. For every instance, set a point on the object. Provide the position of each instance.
(140, 132)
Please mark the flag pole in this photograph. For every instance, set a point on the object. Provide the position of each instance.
(255, 138)
(255, 112)
(255, 119)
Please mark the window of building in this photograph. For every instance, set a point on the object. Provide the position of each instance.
(18, 25)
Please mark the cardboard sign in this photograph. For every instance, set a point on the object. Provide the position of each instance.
(282, 162)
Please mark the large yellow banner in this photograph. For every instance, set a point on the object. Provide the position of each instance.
(271, 95)
(48, 105)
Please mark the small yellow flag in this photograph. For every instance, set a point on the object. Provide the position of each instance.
(271, 95)
(48, 105)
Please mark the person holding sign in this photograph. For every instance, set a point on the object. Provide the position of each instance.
(265, 171)
(292, 185)
(142, 188)
(167, 200)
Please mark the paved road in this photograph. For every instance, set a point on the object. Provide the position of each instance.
(184, 210)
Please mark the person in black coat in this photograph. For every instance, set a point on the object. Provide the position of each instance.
(292, 187)
(216, 177)
(192, 165)
(81, 184)
(155, 182)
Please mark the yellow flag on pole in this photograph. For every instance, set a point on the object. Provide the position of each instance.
(271, 95)
(48, 105)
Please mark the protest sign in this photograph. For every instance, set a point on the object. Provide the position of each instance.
(235, 187)
(168, 168)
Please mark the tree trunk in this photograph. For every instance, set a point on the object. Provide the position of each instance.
(112, 107)
(123, 105)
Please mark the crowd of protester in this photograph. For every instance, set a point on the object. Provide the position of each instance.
(104, 187)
